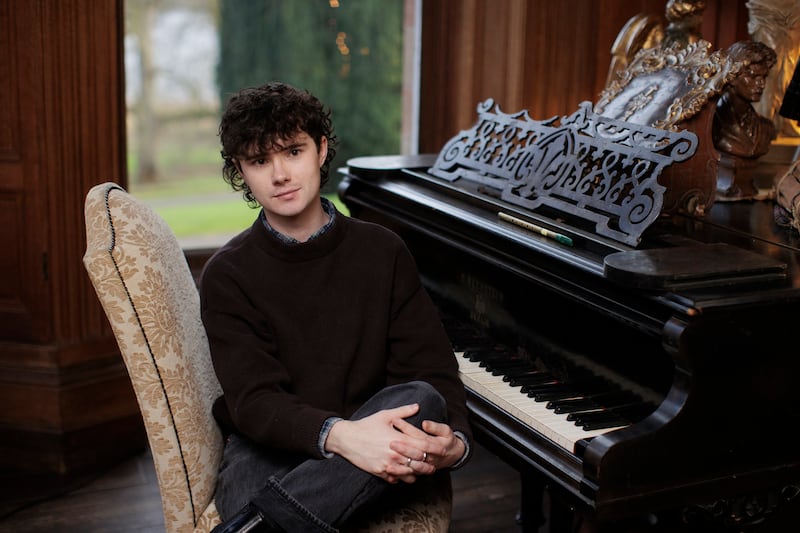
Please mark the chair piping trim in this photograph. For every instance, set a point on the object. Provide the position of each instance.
(110, 250)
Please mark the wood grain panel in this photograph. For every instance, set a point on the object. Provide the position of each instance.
(68, 400)
(71, 95)
(9, 113)
(11, 222)
(83, 87)
(22, 291)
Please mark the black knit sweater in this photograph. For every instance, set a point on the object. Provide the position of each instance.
(301, 332)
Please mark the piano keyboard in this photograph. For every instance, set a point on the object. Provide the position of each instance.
(533, 413)
(567, 399)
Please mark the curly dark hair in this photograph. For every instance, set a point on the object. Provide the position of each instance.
(259, 118)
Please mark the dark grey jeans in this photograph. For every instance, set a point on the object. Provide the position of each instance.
(306, 495)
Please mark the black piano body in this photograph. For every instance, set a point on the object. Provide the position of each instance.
(701, 318)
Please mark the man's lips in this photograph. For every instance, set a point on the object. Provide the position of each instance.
(285, 194)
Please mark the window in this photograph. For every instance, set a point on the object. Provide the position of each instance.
(183, 58)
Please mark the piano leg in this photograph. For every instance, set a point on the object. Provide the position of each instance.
(531, 512)
(563, 518)
(545, 510)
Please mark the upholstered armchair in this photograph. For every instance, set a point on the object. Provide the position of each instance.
(149, 296)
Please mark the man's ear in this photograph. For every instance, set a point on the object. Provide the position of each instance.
(323, 150)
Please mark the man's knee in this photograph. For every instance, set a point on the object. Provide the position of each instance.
(432, 405)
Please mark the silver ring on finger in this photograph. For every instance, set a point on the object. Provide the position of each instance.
(408, 461)
(424, 457)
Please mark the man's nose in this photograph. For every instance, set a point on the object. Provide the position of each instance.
(279, 170)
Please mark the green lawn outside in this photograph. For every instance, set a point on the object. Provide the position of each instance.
(200, 207)
(203, 218)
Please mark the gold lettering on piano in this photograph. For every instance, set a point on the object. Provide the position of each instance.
(484, 298)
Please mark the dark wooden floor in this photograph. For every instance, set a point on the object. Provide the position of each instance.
(126, 499)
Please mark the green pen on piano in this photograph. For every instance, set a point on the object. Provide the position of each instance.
(563, 239)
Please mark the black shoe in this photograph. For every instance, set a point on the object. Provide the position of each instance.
(248, 519)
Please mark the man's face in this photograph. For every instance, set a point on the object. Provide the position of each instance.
(750, 82)
(285, 180)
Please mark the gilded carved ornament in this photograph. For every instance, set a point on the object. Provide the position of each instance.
(673, 84)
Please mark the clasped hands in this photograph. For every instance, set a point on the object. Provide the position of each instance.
(387, 446)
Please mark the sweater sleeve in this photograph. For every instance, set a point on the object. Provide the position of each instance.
(254, 382)
(419, 348)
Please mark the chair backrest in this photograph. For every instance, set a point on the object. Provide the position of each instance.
(149, 296)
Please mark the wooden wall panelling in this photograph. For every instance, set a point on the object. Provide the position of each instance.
(68, 404)
(445, 77)
(725, 22)
(23, 292)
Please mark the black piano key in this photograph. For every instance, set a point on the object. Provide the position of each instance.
(591, 413)
(585, 417)
(575, 406)
(562, 406)
(477, 353)
(540, 385)
(509, 365)
(489, 355)
(585, 385)
(519, 368)
(518, 375)
(609, 422)
(592, 400)
(532, 379)
(626, 414)
(547, 386)
(504, 373)
(555, 391)
(620, 416)
(556, 394)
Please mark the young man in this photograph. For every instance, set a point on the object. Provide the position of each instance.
(341, 391)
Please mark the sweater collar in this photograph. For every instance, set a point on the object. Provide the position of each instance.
(327, 206)
(288, 249)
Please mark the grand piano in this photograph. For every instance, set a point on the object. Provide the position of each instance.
(639, 384)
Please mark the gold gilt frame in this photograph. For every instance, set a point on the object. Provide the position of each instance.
(663, 87)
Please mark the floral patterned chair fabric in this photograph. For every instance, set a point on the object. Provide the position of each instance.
(148, 294)
(147, 291)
